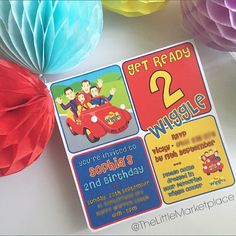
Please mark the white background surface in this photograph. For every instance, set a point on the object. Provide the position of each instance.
(42, 199)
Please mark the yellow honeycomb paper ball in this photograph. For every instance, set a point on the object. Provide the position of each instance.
(132, 8)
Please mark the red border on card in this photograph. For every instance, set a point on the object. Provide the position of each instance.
(152, 174)
(198, 65)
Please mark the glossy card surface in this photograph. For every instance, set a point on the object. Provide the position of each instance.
(141, 134)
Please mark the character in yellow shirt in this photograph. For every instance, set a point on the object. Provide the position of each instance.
(82, 104)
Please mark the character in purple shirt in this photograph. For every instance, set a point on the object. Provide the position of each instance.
(72, 104)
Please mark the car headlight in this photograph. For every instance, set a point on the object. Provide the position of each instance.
(205, 168)
(122, 106)
(94, 119)
(218, 163)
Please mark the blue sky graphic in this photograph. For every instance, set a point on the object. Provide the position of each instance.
(92, 76)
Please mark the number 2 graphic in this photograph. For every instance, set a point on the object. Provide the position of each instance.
(169, 99)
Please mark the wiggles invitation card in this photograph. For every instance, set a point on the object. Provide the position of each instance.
(141, 134)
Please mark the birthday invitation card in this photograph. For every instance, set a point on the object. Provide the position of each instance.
(141, 134)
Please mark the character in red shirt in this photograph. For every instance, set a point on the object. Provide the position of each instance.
(86, 86)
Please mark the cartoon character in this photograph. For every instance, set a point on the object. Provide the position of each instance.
(203, 158)
(86, 86)
(72, 104)
(216, 153)
(100, 100)
(211, 155)
(211, 163)
(206, 154)
(82, 104)
(97, 121)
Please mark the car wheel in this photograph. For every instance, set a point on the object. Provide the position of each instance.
(208, 173)
(71, 130)
(90, 136)
(220, 170)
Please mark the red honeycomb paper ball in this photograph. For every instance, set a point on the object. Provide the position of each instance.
(26, 117)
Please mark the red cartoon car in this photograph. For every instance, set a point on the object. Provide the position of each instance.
(100, 120)
(212, 166)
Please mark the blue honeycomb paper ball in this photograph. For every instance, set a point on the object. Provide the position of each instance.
(49, 37)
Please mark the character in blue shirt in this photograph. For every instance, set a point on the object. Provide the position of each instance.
(216, 154)
(97, 99)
